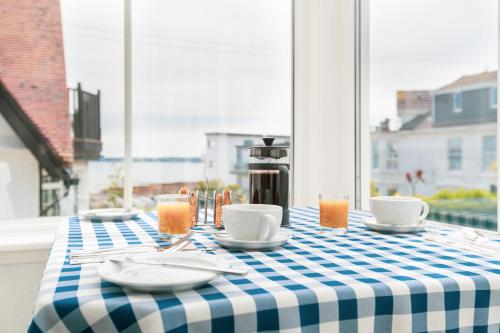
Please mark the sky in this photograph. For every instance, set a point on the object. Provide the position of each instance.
(426, 44)
(225, 65)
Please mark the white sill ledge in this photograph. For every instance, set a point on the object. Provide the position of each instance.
(27, 240)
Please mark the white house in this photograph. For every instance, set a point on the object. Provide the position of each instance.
(453, 141)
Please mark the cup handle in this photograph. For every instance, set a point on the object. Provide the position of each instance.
(425, 212)
(269, 227)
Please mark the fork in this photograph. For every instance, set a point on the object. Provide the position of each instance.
(433, 235)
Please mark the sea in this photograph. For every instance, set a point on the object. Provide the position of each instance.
(145, 171)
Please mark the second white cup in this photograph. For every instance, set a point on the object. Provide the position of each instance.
(252, 222)
(399, 210)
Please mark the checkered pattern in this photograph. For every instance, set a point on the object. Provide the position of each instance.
(363, 281)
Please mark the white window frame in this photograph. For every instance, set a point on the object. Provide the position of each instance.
(375, 145)
(455, 96)
(484, 153)
(128, 153)
(453, 152)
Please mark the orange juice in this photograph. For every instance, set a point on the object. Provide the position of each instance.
(333, 213)
(173, 218)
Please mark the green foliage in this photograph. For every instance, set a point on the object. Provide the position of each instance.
(462, 194)
(114, 191)
(373, 190)
(463, 200)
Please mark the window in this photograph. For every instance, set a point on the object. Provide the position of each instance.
(457, 102)
(375, 155)
(442, 108)
(392, 157)
(206, 75)
(454, 154)
(489, 153)
(493, 97)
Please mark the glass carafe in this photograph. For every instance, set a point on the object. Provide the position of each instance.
(268, 172)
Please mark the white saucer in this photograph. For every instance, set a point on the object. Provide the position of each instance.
(371, 223)
(282, 236)
(161, 278)
(109, 214)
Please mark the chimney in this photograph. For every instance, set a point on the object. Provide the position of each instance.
(384, 125)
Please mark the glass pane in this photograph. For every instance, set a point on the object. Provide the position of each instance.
(62, 75)
(433, 88)
(210, 79)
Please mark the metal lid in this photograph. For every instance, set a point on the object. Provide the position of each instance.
(268, 150)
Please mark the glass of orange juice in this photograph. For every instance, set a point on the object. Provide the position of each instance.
(333, 213)
(173, 216)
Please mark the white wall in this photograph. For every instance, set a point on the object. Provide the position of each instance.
(23, 190)
(427, 149)
(324, 147)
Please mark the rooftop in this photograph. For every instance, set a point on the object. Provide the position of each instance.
(469, 80)
(32, 71)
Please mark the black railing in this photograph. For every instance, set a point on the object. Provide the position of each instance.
(86, 124)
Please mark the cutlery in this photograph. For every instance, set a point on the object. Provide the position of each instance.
(225, 270)
(434, 236)
(132, 247)
(479, 239)
(100, 257)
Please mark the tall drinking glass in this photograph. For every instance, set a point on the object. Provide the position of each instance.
(333, 213)
(173, 216)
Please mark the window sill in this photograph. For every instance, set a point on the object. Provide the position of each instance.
(27, 240)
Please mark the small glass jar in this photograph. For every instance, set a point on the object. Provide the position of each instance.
(333, 214)
(173, 216)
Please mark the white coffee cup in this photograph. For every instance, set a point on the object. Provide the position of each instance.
(399, 210)
(252, 222)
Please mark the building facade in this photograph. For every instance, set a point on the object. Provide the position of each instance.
(453, 143)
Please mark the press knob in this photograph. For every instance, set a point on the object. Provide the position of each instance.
(268, 141)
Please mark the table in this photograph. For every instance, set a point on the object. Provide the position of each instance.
(363, 281)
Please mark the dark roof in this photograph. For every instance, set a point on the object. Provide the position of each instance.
(414, 122)
(31, 136)
(468, 80)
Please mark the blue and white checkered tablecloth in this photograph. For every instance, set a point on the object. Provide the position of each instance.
(364, 281)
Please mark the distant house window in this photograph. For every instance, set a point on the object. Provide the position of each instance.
(457, 102)
(493, 97)
(489, 152)
(375, 155)
(392, 157)
(455, 154)
(210, 143)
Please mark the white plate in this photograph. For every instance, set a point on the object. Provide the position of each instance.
(161, 278)
(281, 237)
(371, 223)
(109, 214)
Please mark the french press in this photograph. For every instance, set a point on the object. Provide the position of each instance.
(268, 167)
